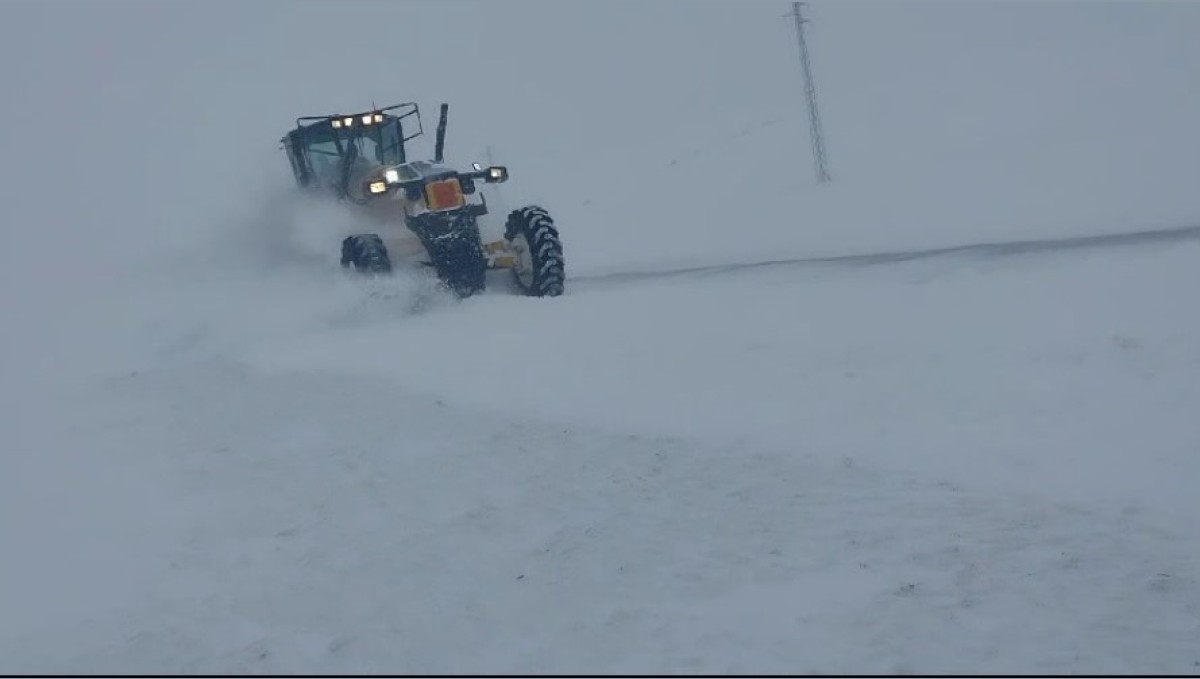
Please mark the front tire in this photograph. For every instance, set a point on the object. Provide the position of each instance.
(531, 233)
(455, 249)
(366, 253)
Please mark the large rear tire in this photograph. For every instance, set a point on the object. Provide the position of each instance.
(366, 253)
(531, 233)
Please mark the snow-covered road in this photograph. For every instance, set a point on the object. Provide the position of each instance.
(939, 465)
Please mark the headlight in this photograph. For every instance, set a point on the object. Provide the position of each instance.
(497, 173)
(377, 187)
(391, 176)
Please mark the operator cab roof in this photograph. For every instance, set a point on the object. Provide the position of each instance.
(350, 121)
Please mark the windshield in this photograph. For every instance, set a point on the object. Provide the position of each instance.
(327, 149)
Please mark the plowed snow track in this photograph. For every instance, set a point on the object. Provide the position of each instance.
(981, 250)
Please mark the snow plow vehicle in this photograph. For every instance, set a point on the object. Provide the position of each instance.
(421, 211)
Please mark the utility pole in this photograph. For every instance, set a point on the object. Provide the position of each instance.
(810, 94)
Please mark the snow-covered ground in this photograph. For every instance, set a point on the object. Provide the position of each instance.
(947, 465)
(718, 453)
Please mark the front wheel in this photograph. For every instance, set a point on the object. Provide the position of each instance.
(533, 237)
(366, 253)
(456, 251)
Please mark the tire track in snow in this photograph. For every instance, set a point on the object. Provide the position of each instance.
(978, 250)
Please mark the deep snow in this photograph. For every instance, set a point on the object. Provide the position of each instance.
(951, 465)
(222, 454)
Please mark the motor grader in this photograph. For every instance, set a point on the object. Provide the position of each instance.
(420, 211)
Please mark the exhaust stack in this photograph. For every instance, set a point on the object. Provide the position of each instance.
(440, 147)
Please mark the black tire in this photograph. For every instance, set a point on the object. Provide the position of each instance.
(455, 249)
(531, 232)
(366, 253)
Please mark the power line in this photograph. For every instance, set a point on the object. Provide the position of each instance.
(810, 94)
